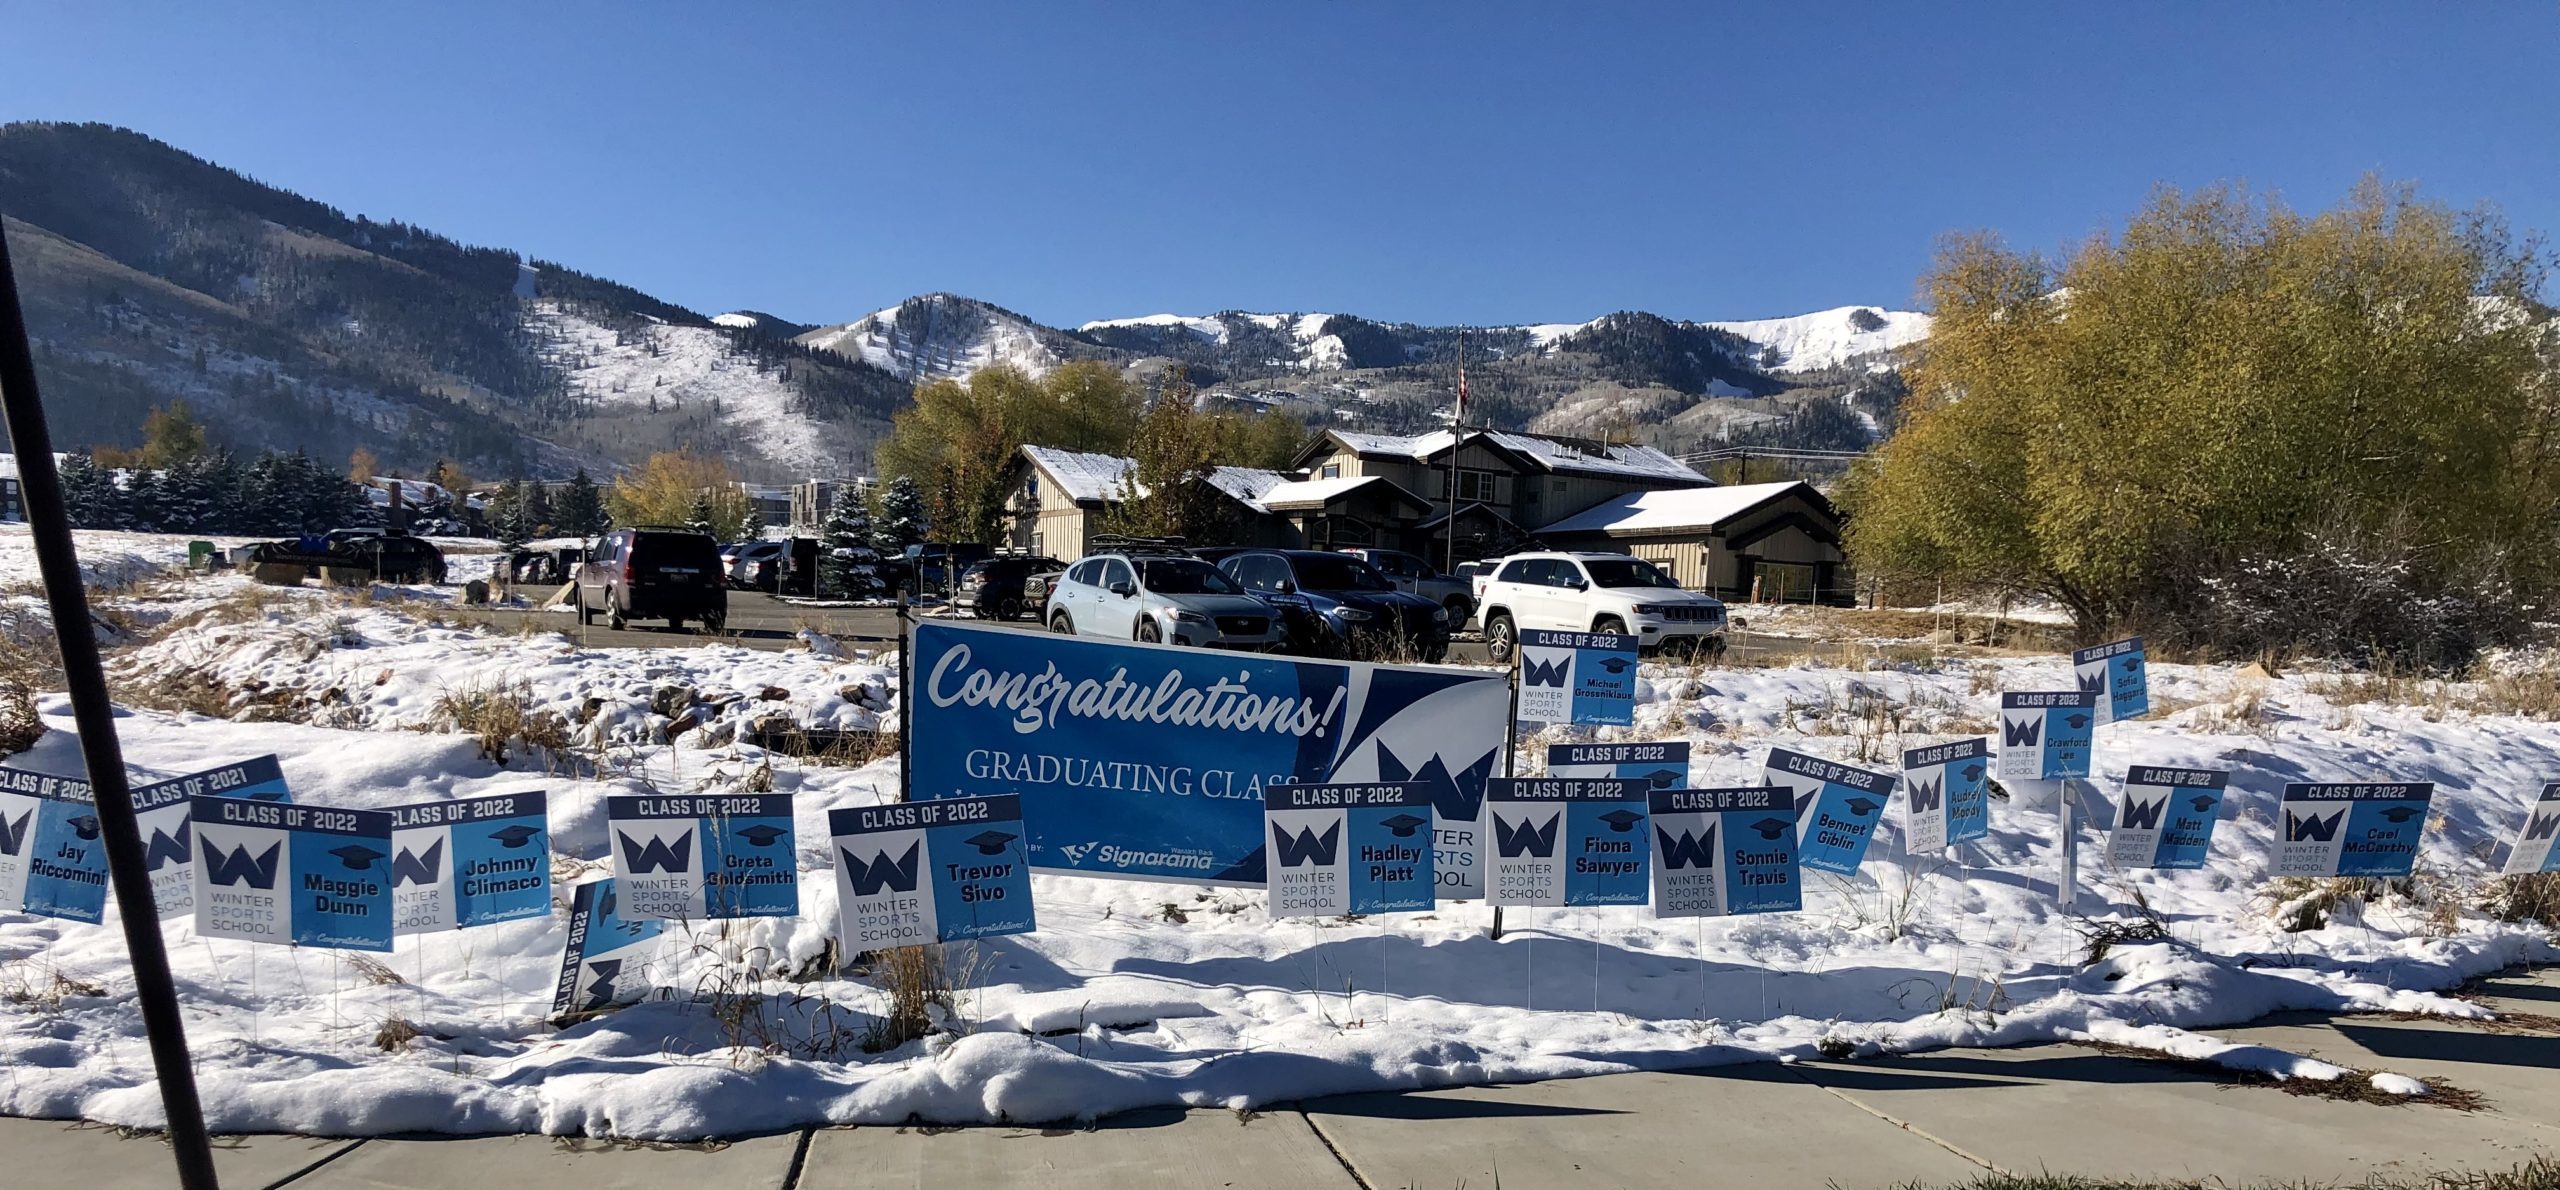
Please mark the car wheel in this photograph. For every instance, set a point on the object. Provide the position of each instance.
(1061, 625)
(614, 617)
(1500, 637)
(1008, 610)
(1148, 633)
(586, 615)
(1715, 647)
(675, 623)
(1610, 624)
(713, 624)
(1459, 608)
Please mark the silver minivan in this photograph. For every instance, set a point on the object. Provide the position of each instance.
(1159, 596)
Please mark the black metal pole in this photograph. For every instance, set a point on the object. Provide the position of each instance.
(40, 489)
(906, 701)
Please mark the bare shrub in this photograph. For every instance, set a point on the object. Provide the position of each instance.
(502, 715)
(395, 1034)
(920, 989)
(2533, 897)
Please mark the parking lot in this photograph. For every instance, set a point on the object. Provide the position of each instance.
(760, 621)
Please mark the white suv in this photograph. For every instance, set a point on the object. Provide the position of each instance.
(1596, 592)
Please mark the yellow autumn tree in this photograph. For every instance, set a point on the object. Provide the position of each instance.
(665, 489)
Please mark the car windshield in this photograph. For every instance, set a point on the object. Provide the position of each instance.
(1340, 573)
(1186, 576)
(1629, 572)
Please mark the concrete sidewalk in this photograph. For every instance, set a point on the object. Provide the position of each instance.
(1942, 1117)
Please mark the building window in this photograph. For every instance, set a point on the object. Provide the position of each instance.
(1475, 485)
(1333, 471)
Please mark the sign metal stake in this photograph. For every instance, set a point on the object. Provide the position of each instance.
(40, 484)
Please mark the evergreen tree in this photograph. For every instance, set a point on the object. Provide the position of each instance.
(581, 507)
(187, 496)
(750, 526)
(88, 495)
(845, 557)
(507, 514)
(538, 515)
(698, 517)
(146, 500)
(901, 515)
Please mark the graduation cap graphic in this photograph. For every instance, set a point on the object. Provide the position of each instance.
(2133, 663)
(1860, 807)
(1402, 826)
(990, 842)
(357, 856)
(1662, 778)
(2077, 720)
(85, 826)
(1973, 772)
(2397, 814)
(1621, 821)
(1771, 828)
(761, 835)
(1616, 665)
(275, 796)
(2202, 802)
(515, 836)
(606, 904)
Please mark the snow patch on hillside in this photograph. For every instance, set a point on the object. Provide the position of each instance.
(1829, 338)
(678, 367)
(946, 336)
(1211, 329)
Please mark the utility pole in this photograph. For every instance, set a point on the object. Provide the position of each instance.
(49, 523)
(1457, 438)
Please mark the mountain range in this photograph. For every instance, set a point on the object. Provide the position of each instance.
(151, 276)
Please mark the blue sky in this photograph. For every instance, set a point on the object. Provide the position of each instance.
(1437, 163)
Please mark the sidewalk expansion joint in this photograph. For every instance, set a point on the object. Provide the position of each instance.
(1336, 1150)
(307, 1170)
(1904, 1125)
(799, 1159)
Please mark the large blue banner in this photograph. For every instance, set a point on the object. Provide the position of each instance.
(1149, 761)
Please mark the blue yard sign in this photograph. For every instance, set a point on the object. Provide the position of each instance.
(1339, 849)
(1577, 677)
(1149, 762)
(2351, 828)
(1835, 807)
(2533, 851)
(52, 862)
(470, 862)
(2166, 817)
(2116, 673)
(1661, 766)
(603, 964)
(1724, 851)
(1566, 841)
(937, 871)
(277, 872)
(163, 811)
(705, 855)
(1946, 783)
(2046, 735)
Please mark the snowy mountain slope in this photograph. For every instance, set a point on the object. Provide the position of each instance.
(1830, 338)
(942, 334)
(659, 368)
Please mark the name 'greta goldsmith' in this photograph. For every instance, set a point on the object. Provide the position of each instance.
(1040, 700)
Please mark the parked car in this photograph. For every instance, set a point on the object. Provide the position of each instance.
(740, 564)
(934, 567)
(1410, 572)
(1476, 575)
(1598, 592)
(999, 588)
(650, 574)
(1335, 605)
(384, 557)
(1158, 593)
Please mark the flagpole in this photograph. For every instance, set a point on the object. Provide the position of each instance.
(155, 991)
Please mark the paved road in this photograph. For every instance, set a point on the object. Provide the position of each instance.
(1940, 1119)
(760, 621)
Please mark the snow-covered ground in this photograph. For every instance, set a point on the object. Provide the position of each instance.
(1135, 994)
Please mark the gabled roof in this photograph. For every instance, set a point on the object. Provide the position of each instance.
(1316, 493)
(1533, 452)
(1088, 477)
(1677, 509)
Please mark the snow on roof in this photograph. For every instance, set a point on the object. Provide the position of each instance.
(1084, 475)
(1676, 508)
(1308, 493)
(1558, 455)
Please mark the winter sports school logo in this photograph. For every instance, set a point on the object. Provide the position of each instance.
(1687, 850)
(1550, 673)
(658, 855)
(237, 866)
(1304, 848)
(2021, 733)
(882, 872)
(1515, 839)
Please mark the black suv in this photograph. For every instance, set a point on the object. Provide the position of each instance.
(1000, 588)
(1336, 605)
(649, 574)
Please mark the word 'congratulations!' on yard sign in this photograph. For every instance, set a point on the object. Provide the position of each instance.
(1150, 762)
(1577, 677)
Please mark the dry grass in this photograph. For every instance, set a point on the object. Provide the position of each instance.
(920, 987)
(2354, 1087)
(395, 1034)
(39, 986)
(503, 717)
(2528, 691)
(2534, 897)
(2243, 710)
(2541, 1173)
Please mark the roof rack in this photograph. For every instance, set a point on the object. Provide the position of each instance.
(1122, 543)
